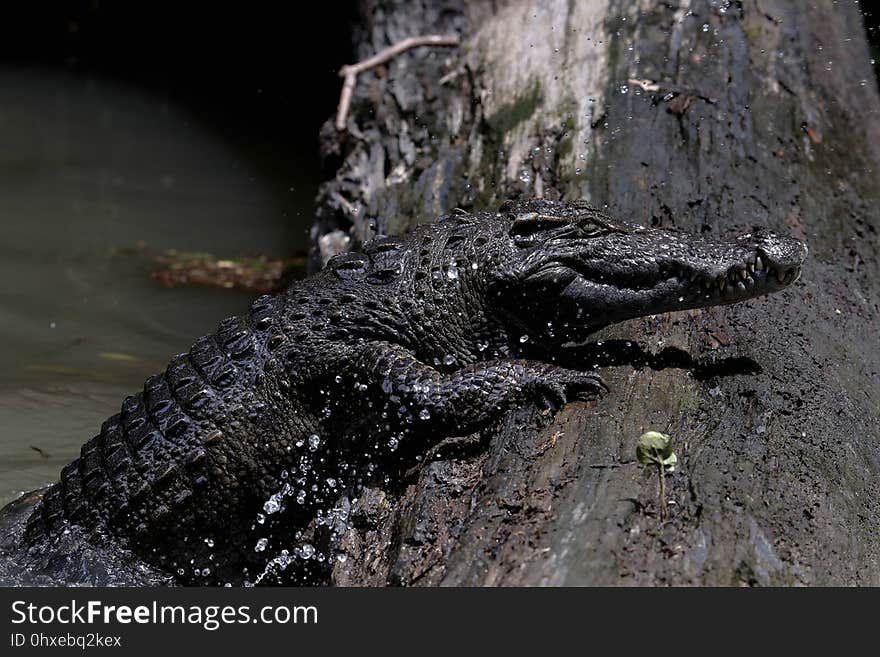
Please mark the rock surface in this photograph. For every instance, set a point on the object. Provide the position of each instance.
(708, 116)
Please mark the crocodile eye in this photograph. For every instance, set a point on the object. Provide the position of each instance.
(587, 228)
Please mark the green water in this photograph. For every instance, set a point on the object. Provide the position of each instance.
(94, 177)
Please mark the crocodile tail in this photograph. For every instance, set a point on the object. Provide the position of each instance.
(142, 470)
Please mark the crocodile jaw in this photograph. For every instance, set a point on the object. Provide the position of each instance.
(584, 287)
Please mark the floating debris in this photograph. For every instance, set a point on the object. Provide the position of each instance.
(260, 274)
(117, 356)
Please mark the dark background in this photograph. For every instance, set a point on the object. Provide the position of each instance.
(265, 75)
(872, 25)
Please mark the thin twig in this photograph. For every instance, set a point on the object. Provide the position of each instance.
(350, 72)
(664, 511)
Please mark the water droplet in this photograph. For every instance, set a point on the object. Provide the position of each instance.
(271, 506)
(425, 414)
(307, 551)
(341, 558)
(448, 359)
(705, 27)
(209, 542)
(523, 339)
(261, 545)
(624, 88)
(314, 442)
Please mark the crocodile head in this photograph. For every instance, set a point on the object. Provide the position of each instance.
(575, 270)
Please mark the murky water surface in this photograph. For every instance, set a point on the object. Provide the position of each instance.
(95, 176)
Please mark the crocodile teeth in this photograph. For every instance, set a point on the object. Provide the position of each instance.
(751, 267)
(744, 275)
(722, 283)
(759, 264)
(780, 275)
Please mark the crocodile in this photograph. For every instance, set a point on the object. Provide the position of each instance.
(262, 427)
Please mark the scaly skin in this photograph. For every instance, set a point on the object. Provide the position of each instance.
(382, 353)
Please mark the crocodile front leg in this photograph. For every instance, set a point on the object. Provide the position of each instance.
(463, 401)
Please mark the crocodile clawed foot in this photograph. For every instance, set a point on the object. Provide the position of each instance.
(589, 388)
(565, 386)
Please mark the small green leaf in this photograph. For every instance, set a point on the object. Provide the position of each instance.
(655, 448)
